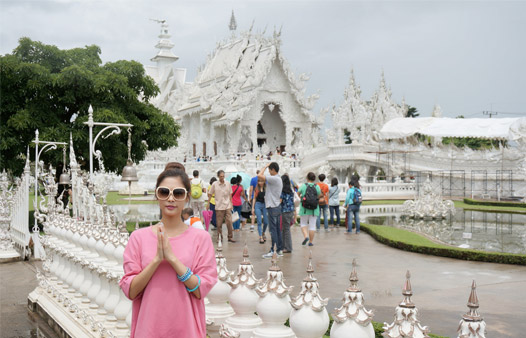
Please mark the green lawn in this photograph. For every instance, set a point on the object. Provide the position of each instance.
(114, 198)
(375, 202)
(490, 208)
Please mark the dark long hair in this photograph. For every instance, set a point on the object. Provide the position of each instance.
(286, 185)
(174, 173)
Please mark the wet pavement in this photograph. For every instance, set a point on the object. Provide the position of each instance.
(441, 286)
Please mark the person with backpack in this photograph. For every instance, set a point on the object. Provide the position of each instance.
(334, 202)
(310, 194)
(352, 203)
(323, 203)
(197, 198)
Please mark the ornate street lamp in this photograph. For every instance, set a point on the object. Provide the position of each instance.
(116, 130)
(47, 146)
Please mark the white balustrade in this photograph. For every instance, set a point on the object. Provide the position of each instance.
(14, 218)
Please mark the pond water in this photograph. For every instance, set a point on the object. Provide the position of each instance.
(499, 232)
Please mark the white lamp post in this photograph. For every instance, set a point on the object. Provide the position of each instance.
(47, 146)
(116, 130)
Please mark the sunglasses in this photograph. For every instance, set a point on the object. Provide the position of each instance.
(163, 193)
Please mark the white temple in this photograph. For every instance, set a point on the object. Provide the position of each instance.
(243, 97)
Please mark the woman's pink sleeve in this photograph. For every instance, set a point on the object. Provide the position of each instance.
(206, 266)
(132, 264)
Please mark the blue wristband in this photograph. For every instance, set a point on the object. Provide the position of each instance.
(186, 275)
(197, 286)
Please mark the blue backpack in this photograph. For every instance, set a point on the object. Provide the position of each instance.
(357, 199)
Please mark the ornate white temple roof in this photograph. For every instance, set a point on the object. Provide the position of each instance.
(505, 128)
(225, 87)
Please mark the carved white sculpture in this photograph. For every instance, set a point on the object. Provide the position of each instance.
(406, 323)
(472, 325)
(243, 298)
(429, 204)
(273, 306)
(309, 317)
(352, 319)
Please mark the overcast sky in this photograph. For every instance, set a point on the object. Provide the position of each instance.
(465, 56)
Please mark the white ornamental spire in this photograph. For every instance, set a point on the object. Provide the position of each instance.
(233, 24)
(165, 56)
(273, 306)
(472, 324)
(309, 317)
(406, 323)
(352, 319)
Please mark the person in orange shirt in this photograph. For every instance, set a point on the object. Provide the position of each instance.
(324, 203)
(191, 220)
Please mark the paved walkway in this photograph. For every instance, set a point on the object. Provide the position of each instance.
(441, 286)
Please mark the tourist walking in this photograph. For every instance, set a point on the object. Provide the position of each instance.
(287, 213)
(197, 195)
(310, 194)
(222, 190)
(169, 268)
(334, 201)
(323, 203)
(253, 184)
(274, 185)
(237, 192)
(259, 209)
(353, 200)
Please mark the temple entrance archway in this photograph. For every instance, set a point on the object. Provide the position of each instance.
(271, 127)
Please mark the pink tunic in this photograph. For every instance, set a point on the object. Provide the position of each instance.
(165, 308)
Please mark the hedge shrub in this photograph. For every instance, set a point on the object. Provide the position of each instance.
(444, 251)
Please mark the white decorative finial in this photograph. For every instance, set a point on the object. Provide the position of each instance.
(232, 25)
(472, 324)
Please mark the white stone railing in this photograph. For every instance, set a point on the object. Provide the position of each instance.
(84, 257)
(19, 223)
(374, 191)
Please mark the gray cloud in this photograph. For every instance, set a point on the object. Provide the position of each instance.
(464, 56)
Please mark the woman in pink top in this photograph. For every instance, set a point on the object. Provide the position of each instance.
(169, 268)
(237, 192)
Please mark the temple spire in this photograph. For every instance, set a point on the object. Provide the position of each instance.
(232, 25)
(165, 56)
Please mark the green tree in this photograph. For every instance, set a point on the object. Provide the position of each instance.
(42, 86)
(473, 143)
(412, 112)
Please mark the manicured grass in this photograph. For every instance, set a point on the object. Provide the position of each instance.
(490, 208)
(410, 241)
(375, 202)
(113, 198)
